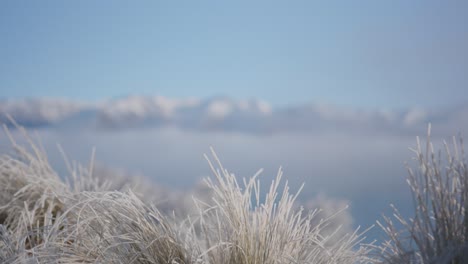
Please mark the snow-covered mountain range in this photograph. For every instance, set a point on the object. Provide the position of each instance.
(222, 114)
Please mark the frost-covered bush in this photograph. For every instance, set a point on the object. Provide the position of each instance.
(438, 231)
(243, 227)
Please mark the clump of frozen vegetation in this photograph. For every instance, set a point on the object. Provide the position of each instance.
(45, 218)
(438, 231)
(242, 228)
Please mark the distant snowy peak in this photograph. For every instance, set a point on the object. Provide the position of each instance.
(141, 106)
(144, 110)
(135, 110)
(220, 108)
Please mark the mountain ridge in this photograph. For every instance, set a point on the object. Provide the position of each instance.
(218, 114)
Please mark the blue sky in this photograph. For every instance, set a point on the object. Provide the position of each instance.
(389, 54)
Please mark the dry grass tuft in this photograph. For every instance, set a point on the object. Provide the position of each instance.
(438, 232)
